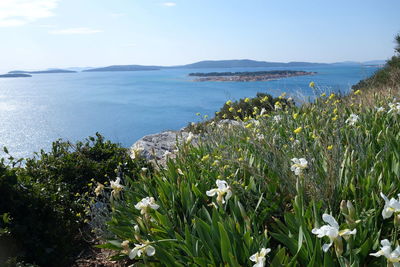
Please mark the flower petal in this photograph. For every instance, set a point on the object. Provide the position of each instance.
(330, 220)
(150, 250)
(211, 192)
(377, 254)
(253, 257)
(228, 195)
(385, 243)
(384, 197)
(221, 184)
(326, 247)
(133, 253)
(387, 212)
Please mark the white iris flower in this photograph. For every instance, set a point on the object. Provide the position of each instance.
(392, 257)
(222, 189)
(145, 204)
(140, 249)
(298, 165)
(352, 119)
(259, 257)
(391, 206)
(116, 187)
(331, 230)
(394, 107)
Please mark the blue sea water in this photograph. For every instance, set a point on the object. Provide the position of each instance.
(124, 106)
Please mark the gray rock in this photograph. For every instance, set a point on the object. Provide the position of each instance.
(161, 145)
(230, 123)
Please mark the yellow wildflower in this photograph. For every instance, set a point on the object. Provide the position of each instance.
(99, 189)
(231, 109)
(357, 92)
(332, 96)
(295, 115)
(330, 147)
(229, 102)
(206, 157)
(247, 100)
(312, 84)
(239, 110)
(323, 94)
(278, 105)
(298, 130)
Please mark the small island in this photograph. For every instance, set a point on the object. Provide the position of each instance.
(50, 71)
(255, 76)
(15, 75)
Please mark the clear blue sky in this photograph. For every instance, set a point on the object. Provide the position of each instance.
(38, 34)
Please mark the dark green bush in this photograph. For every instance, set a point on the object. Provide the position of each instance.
(46, 198)
(251, 107)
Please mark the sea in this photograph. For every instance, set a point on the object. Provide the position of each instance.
(125, 106)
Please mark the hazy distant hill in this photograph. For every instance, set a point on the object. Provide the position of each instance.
(235, 63)
(375, 62)
(206, 64)
(41, 71)
(124, 68)
(371, 62)
(245, 63)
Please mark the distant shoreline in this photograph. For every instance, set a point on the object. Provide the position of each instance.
(256, 76)
(15, 75)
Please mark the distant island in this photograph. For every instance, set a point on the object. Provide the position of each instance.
(207, 64)
(41, 71)
(15, 75)
(254, 76)
(124, 68)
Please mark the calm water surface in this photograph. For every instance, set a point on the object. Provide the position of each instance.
(124, 106)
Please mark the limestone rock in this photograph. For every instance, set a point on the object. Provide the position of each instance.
(161, 145)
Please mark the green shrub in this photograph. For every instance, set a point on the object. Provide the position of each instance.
(48, 196)
(251, 107)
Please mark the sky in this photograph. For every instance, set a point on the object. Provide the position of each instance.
(41, 34)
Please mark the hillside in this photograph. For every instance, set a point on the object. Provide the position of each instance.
(123, 68)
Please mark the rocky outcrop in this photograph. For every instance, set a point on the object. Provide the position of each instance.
(159, 146)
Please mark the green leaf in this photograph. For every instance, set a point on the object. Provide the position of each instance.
(225, 243)
(112, 244)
